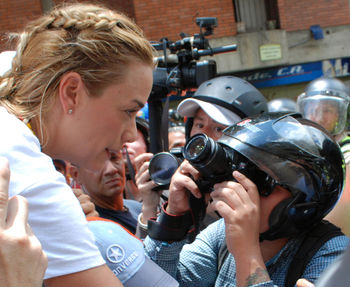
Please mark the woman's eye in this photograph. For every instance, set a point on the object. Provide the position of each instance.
(131, 112)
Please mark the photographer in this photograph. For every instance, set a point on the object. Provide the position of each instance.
(288, 174)
(216, 104)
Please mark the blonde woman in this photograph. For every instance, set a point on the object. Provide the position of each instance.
(80, 73)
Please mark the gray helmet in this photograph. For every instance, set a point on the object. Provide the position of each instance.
(234, 94)
(326, 101)
(226, 99)
(282, 105)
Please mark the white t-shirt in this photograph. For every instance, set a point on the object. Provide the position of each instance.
(55, 214)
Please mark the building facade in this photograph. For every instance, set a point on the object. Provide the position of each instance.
(281, 44)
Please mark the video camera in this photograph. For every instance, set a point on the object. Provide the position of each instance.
(214, 161)
(179, 69)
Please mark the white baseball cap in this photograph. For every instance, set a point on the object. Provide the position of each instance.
(189, 107)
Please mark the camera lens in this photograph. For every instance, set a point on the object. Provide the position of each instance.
(197, 148)
(212, 160)
(162, 167)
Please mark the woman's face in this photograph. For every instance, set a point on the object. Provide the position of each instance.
(103, 124)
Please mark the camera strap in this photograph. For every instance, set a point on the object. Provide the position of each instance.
(169, 227)
(198, 207)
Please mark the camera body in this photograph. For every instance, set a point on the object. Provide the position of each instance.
(214, 161)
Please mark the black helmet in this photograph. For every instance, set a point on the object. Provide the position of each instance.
(323, 99)
(226, 99)
(298, 155)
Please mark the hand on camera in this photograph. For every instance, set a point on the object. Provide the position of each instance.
(239, 204)
(182, 183)
(150, 198)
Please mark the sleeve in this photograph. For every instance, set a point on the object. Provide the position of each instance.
(59, 223)
(55, 215)
(192, 264)
(336, 272)
(141, 229)
(325, 256)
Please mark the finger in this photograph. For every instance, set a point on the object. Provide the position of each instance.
(229, 194)
(222, 208)
(17, 214)
(142, 168)
(248, 185)
(77, 191)
(143, 171)
(183, 181)
(149, 185)
(141, 159)
(187, 169)
(4, 187)
(304, 283)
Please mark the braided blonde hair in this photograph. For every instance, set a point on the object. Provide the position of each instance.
(88, 39)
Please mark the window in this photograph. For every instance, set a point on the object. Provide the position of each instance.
(256, 15)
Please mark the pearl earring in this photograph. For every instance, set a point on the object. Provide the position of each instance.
(70, 111)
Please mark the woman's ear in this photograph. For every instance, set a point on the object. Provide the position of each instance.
(71, 85)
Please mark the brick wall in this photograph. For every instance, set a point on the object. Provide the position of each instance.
(125, 6)
(167, 18)
(14, 15)
(300, 15)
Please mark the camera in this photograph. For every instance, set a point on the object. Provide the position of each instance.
(214, 161)
(163, 165)
(179, 68)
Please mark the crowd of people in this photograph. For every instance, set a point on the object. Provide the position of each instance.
(257, 184)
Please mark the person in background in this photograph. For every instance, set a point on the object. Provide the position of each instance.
(282, 105)
(22, 260)
(287, 174)
(216, 104)
(84, 199)
(325, 101)
(62, 98)
(130, 152)
(105, 189)
(176, 135)
(61, 166)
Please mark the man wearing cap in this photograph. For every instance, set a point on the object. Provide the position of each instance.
(216, 104)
